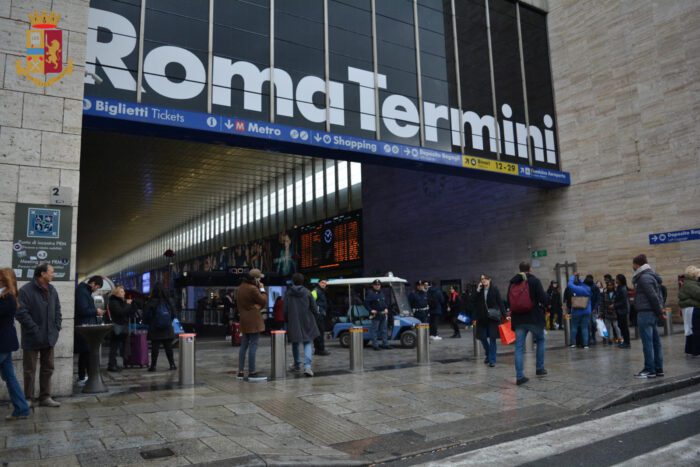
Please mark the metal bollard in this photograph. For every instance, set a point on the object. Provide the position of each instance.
(187, 356)
(567, 329)
(668, 322)
(357, 344)
(278, 366)
(422, 346)
(478, 349)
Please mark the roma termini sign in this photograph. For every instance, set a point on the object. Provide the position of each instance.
(186, 73)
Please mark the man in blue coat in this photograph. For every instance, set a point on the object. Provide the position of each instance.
(436, 305)
(379, 313)
(85, 313)
(580, 317)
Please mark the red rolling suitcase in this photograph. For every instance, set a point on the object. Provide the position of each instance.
(137, 350)
(235, 334)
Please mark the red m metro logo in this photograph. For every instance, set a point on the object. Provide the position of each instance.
(240, 125)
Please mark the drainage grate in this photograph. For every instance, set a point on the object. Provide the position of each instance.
(157, 453)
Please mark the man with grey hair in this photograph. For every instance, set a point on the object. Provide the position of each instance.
(648, 302)
(40, 316)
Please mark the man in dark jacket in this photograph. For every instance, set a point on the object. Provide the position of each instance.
(418, 299)
(120, 311)
(300, 312)
(648, 302)
(379, 313)
(319, 294)
(436, 305)
(85, 313)
(40, 316)
(531, 321)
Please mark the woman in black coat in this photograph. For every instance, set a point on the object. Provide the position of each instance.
(488, 297)
(9, 343)
(120, 311)
(159, 315)
(622, 308)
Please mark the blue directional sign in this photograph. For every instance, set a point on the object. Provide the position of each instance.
(675, 236)
(134, 112)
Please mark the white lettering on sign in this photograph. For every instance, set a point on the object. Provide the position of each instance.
(399, 114)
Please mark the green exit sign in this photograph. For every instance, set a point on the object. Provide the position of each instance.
(539, 253)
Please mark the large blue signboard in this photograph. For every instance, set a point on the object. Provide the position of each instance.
(323, 77)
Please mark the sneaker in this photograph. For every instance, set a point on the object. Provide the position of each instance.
(645, 374)
(240, 375)
(492, 365)
(308, 372)
(16, 417)
(81, 381)
(572, 346)
(522, 380)
(438, 338)
(659, 372)
(295, 368)
(48, 402)
(585, 347)
(541, 372)
(256, 377)
(486, 361)
(432, 338)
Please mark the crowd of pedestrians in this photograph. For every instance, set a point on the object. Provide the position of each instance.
(594, 310)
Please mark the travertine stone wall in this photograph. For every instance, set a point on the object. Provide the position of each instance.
(628, 106)
(40, 144)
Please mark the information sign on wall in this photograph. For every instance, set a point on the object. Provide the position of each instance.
(42, 235)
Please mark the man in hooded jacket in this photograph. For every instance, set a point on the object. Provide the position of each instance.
(648, 302)
(300, 314)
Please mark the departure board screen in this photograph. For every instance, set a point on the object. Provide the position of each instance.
(333, 243)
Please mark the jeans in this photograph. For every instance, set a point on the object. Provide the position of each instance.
(249, 343)
(520, 335)
(7, 371)
(651, 344)
(379, 325)
(117, 345)
(489, 342)
(29, 361)
(308, 354)
(433, 321)
(583, 322)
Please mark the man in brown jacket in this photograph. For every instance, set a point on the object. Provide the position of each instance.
(251, 299)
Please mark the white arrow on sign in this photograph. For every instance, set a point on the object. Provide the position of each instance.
(654, 237)
(317, 137)
(228, 124)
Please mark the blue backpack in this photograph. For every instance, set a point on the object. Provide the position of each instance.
(161, 320)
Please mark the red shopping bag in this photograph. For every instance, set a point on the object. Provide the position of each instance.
(506, 332)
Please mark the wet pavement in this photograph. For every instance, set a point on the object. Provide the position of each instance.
(392, 409)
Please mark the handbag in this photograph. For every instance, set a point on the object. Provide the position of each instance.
(506, 332)
(494, 314)
(464, 318)
(579, 302)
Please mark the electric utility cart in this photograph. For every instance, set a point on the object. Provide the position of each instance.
(346, 299)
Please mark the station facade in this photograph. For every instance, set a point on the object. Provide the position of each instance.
(434, 139)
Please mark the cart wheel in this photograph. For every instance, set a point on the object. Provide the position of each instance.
(408, 339)
(344, 339)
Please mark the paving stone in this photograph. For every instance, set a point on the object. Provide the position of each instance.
(58, 461)
(35, 439)
(24, 453)
(75, 446)
(132, 441)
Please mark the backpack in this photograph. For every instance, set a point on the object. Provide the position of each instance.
(519, 298)
(161, 320)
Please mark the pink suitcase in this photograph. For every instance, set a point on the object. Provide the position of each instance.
(138, 350)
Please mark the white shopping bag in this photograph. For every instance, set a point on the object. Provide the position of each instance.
(601, 329)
